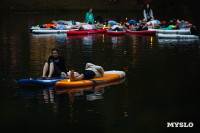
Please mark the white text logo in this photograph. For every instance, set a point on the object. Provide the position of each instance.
(180, 124)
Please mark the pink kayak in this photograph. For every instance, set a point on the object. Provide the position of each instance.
(81, 32)
(141, 32)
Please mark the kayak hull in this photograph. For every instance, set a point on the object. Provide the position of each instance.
(85, 32)
(146, 32)
(109, 76)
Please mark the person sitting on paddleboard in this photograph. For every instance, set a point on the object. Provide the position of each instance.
(91, 71)
(148, 13)
(55, 66)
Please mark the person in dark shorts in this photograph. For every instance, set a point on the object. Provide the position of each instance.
(55, 66)
(91, 71)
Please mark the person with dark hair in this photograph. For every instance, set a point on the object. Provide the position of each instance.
(55, 66)
(148, 13)
(89, 17)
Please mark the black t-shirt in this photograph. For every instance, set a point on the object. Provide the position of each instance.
(59, 62)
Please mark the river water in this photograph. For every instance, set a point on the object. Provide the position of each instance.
(161, 84)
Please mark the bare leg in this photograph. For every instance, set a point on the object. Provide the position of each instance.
(51, 69)
(45, 69)
(74, 78)
(75, 27)
(80, 77)
(72, 75)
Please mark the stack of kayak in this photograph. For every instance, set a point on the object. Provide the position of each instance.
(180, 31)
(175, 34)
(109, 76)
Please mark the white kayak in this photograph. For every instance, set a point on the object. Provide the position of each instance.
(177, 36)
(181, 31)
(48, 31)
(44, 31)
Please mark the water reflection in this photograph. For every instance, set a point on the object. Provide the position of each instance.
(48, 94)
(90, 48)
(177, 42)
(10, 44)
(91, 93)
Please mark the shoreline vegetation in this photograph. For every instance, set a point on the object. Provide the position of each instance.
(52, 6)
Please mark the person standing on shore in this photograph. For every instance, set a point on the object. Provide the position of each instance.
(89, 17)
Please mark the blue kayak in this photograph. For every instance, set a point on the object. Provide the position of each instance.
(41, 81)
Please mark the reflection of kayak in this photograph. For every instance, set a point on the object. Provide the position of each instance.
(181, 31)
(83, 35)
(141, 32)
(77, 89)
(81, 32)
(109, 76)
(116, 32)
(177, 36)
(177, 41)
(40, 81)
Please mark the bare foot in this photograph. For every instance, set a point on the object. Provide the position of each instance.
(72, 77)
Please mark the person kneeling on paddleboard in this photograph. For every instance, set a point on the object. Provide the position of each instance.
(91, 71)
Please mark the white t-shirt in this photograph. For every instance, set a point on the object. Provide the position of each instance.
(88, 27)
(116, 26)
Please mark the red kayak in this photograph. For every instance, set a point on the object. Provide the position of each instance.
(141, 32)
(82, 32)
(116, 32)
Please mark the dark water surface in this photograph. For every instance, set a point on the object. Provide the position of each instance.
(161, 84)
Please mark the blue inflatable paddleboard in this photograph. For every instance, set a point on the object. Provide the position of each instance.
(41, 81)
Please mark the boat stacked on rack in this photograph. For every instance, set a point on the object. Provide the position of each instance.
(183, 33)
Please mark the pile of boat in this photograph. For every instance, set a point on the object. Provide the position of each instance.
(183, 33)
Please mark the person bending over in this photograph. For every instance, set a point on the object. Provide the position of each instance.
(55, 65)
(91, 71)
